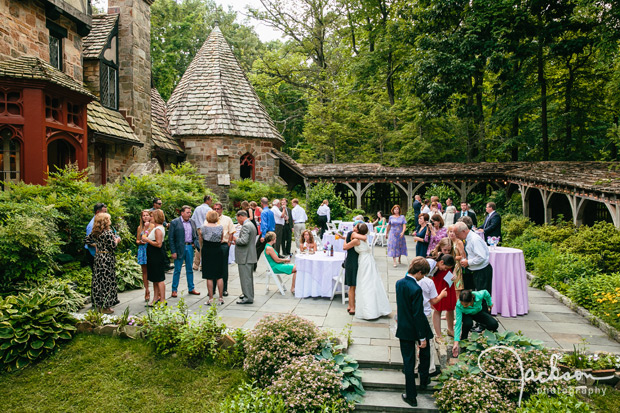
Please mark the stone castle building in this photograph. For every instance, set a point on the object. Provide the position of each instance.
(76, 88)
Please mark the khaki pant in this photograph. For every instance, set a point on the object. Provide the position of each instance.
(197, 256)
(297, 230)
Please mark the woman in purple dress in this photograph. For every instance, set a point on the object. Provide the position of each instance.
(395, 232)
(438, 232)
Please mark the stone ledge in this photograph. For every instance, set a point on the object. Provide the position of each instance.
(611, 332)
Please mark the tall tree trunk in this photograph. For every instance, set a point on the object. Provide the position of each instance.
(568, 98)
(544, 128)
(514, 149)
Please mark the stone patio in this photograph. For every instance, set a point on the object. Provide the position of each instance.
(548, 320)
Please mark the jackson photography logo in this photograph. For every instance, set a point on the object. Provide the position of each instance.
(529, 376)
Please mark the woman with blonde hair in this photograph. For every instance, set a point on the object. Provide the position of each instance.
(143, 229)
(458, 252)
(104, 290)
(156, 260)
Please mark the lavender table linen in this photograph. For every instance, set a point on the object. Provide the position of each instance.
(316, 274)
(509, 294)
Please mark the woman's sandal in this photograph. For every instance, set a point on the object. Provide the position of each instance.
(220, 301)
(209, 302)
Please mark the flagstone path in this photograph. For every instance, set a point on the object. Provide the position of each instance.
(548, 319)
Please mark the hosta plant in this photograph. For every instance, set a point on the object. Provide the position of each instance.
(352, 388)
(31, 326)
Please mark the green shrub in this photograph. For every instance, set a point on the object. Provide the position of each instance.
(128, 272)
(197, 339)
(553, 403)
(31, 326)
(561, 269)
(248, 190)
(531, 247)
(250, 398)
(325, 190)
(80, 276)
(94, 317)
(471, 394)
(235, 356)
(553, 234)
(514, 226)
(599, 243)
(163, 326)
(352, 213)
(310, 385)
(275, 341)
(27, 251)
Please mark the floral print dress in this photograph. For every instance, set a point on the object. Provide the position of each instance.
(104, 290)
(397, 245)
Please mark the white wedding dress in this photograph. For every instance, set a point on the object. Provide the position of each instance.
(371, 300)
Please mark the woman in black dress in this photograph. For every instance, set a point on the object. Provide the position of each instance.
(104, 290)
(156, 260)
(350, 268)
(422, 235)
(212, 235)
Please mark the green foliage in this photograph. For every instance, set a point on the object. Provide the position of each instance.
(514, 226)
(236, 354)
(443, 191)
(275, 341)
(562, 269)
(352, 213)
(250, 398)
(94, 317)
(29, 245)
(128, 272)
(197, 340)
(163, 326)
(352, 388)
(55, 287)
(599, 243)
(471, 394)
(532, 248)
(561, 402)
(248, 190)
(81, 277)
(325, 190)
(31, 327)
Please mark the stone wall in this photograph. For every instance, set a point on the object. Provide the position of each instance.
(218, 159)
(23, 32)
(135, 68)
(118, 159)
(91, 76)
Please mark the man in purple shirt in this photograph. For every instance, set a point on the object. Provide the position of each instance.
(267, 223)
(183, 239)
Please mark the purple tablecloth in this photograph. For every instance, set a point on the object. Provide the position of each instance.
(509, 282)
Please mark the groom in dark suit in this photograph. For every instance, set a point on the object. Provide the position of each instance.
(413, 328)
(466, 212)
(492, 226)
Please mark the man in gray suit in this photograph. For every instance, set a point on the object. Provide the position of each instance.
(245, 256)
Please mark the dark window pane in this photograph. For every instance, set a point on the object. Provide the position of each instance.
(55, 52)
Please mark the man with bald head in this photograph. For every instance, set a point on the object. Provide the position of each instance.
(477, 260)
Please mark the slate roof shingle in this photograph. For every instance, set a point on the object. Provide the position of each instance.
(97, 39)
(33, 68)
(214, 97)
(111, 123)
(160, 132)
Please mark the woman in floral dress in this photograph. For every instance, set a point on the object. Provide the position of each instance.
(395, 232)
(104, 290)
(438, 232)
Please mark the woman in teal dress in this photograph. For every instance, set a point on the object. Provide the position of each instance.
(277, 264)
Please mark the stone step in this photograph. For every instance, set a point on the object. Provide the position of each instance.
(377, 401)
(388, 380)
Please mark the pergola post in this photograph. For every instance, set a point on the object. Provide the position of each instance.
(358, 195)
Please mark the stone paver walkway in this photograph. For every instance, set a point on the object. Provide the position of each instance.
(548, 320)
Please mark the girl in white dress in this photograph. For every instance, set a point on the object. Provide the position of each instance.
(371, 300)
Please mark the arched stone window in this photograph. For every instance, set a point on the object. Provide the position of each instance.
(10, 159)
(247, 166)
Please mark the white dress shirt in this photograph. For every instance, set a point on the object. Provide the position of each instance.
(200, 215)
(426, 210)
(428, 293)
(477, 251)
(299, 215)
(278, 215)
(324, 211)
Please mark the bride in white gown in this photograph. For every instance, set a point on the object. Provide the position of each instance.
(371, 300)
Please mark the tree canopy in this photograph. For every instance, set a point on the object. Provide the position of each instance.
(403, 82)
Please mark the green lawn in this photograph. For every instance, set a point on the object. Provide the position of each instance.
(104, 374)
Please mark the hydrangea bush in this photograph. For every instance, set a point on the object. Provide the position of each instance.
(276, 341)
(309, 385)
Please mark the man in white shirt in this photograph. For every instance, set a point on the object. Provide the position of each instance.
(279, 217)
(299, 221)
(199, 217)
(429, 293)
(477, 260)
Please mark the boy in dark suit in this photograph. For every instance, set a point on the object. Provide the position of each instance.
(412, 328)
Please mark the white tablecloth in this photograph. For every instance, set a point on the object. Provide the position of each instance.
(316, 274)
(346, 226)
(339, 243)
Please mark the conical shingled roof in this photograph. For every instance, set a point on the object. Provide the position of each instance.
(215, 98)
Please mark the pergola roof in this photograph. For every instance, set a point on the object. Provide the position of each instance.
(215, 98)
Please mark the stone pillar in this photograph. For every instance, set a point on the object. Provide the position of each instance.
(134, 43)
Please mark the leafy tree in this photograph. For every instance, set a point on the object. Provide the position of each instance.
(325, 190)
